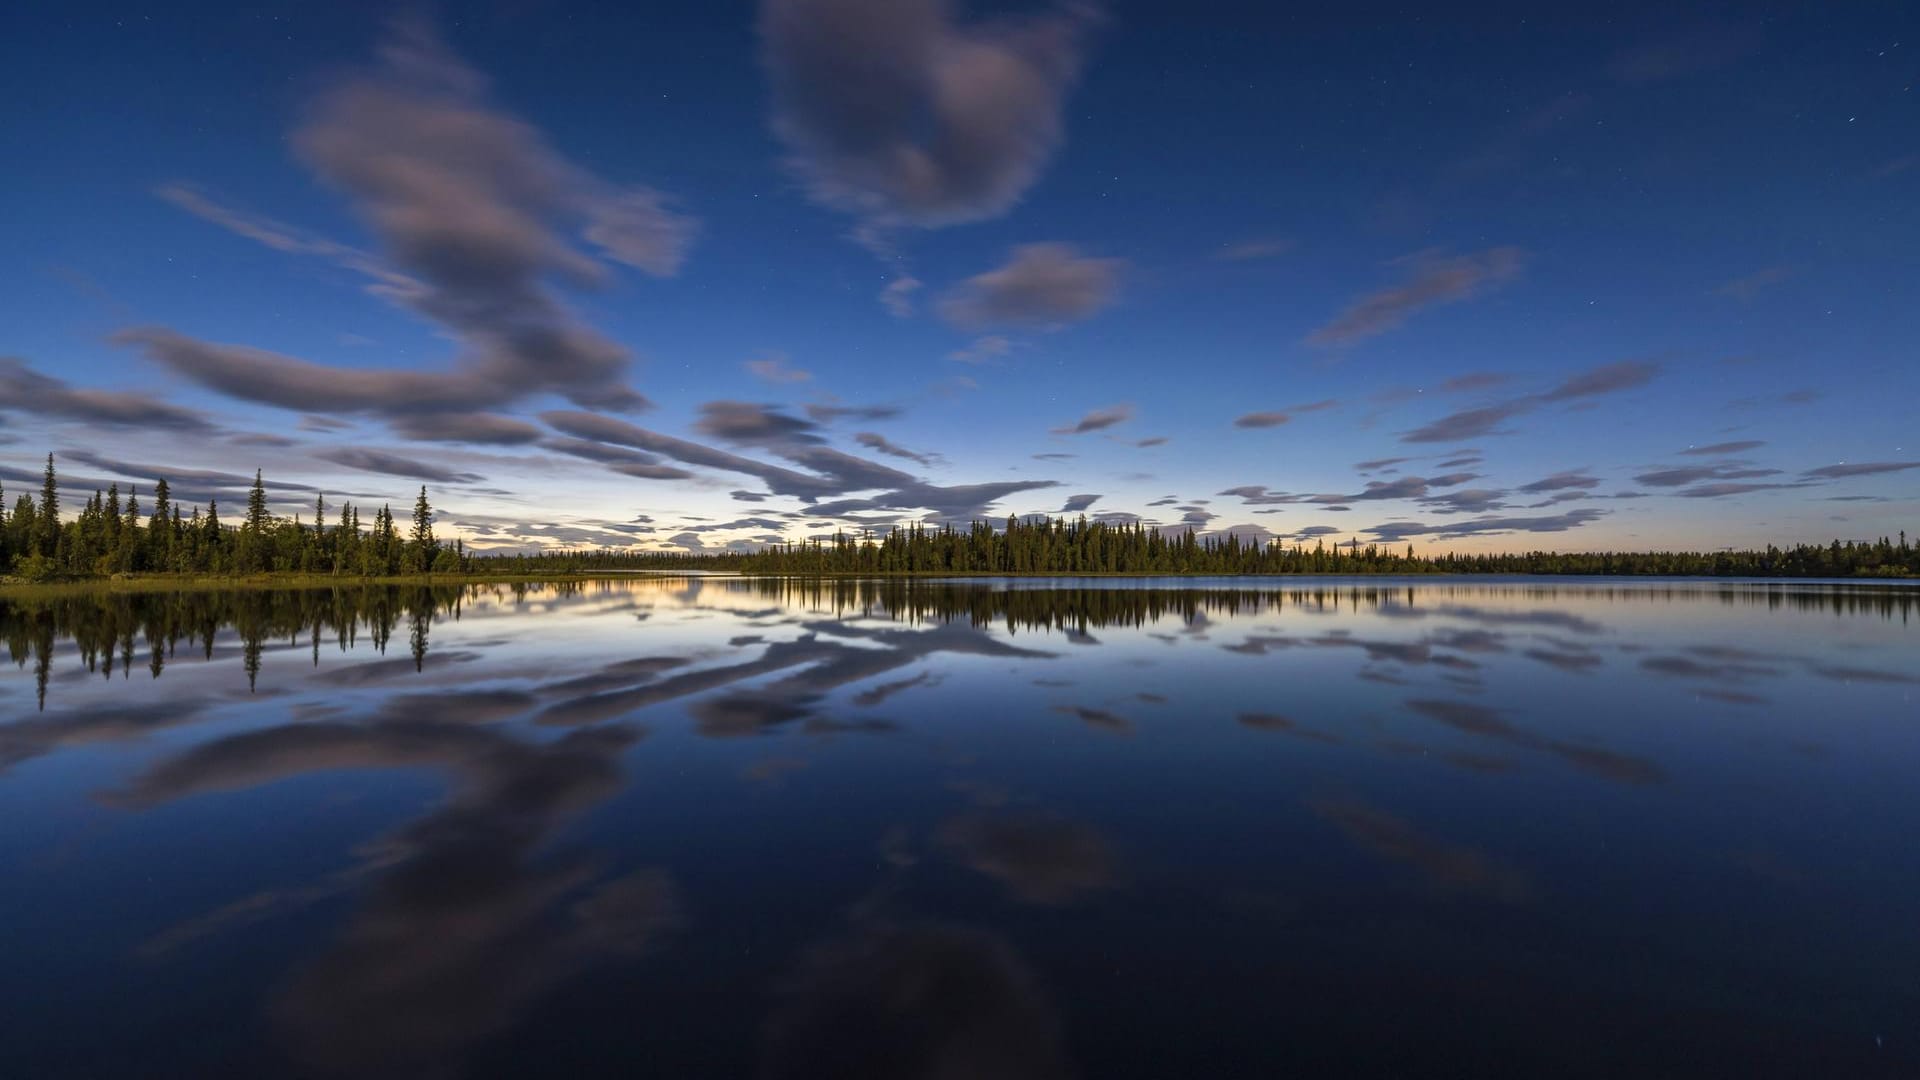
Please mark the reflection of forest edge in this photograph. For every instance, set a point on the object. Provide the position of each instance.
(114, 630)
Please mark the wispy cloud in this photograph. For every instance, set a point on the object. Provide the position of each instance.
(1432, 280)
(1261, 420)
(1844, 470)
(391, 464)
(1488, 419)
(881, 444)
(475, 212)
(1097, 420)
(1744, 289)
(1722, 448)
(22, 389)
(982, 350)
(1041, 285)
(1400, 530)
(776, 368)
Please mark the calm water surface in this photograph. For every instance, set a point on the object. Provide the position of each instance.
(697, 827)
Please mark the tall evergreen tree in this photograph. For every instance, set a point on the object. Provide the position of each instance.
(421, 546)
(48, 517)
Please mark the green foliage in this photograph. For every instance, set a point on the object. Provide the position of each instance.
(108, 537)
(35, 568)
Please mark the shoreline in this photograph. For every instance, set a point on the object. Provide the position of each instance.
(143, 583)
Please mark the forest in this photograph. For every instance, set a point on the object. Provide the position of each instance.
(1060, 546)
(112, 536)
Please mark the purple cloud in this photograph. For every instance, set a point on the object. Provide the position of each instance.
(1041, 285)
(897, 112)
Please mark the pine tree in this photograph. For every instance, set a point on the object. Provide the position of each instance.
(253, 532)
(421, 546)
(160, 528)
(48, 517)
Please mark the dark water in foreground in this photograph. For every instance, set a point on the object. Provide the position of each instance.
(718, 827)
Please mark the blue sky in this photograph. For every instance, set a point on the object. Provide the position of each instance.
(709, 274)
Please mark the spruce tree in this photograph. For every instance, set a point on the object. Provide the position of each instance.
(421, 547)
(48, 517)
(253, 532)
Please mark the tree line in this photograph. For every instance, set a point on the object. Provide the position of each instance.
(1053, 545)
(110, 536)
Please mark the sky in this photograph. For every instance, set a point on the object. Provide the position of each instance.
(710, 276)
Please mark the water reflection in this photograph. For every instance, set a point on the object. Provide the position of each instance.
(919, 828)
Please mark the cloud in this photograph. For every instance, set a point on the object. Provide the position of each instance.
(1261, 420)
(473, 211)
(1717, 449)
(774, 368)
(1097, 420)
(1864, 468)
(1560, 481)
(270, 378)
(1151, 441)
(1689, 474)
(256, 438)
(832, 472)
(902, 115)
(1720, 491)
(1468, 423)
(880, 443)
(897, 295)
(23, 389)
(1379, 463)
(1605, 379)
(1746, 288)
(1258, 495)
(380, 461)
(1077, 503)
(1466, 501)
(190, 485)
(745, 423)
(1404, 487)
(476, 427)
(982, 350)
(827, 414)
(1486, 419)
(1433, 281)
(1041, 285)
(1282, 416)
(1400, 530)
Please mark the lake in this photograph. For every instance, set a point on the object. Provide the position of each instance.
(713, 826)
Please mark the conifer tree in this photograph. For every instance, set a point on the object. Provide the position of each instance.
(48, 542)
